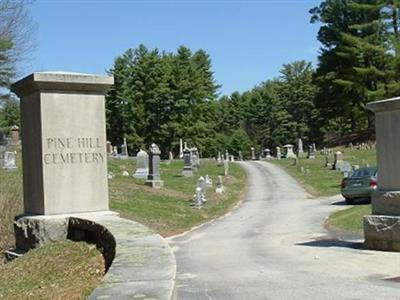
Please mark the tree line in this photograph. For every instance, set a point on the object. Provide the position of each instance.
(162, 96)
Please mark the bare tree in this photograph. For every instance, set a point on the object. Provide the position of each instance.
(16, 37)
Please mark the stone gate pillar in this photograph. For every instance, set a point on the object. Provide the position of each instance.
(64, 142)
(382, 227)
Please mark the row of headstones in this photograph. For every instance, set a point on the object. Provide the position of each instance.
(338, 164)
(112, 151)
(362, 146)
(289, 152)
(147, 167)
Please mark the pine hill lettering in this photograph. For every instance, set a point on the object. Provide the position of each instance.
(84, 150)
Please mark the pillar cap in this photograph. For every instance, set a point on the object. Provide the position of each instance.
(384, 105)
(62, 82)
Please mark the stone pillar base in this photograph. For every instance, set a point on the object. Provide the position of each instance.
(382, 232)
(386, 203)
(155, 184)
(35, 231)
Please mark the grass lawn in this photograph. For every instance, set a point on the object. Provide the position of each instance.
(68, 270)
(168, 211)
(62, 270)
(322, 181)
(350, 219)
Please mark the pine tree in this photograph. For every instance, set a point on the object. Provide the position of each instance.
(353, 64)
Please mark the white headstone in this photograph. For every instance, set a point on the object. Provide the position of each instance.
(142, 165)
(9, 161)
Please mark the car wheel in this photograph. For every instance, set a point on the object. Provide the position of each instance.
(349, 201)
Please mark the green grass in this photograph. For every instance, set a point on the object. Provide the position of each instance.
(62, 270)
(350, 219)
(322, 181)
(168, 210)
(69, 270)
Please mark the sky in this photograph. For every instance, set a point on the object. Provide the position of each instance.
(248, 41)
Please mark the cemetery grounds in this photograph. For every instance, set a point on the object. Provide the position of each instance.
(50, 272)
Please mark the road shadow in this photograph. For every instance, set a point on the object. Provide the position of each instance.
(328, 243)
(361, 201)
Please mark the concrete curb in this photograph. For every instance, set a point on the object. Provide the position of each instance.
(140, 263)
(144, 266)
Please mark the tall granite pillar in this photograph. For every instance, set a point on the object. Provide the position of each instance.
(64, 142)
(382, 227)
(154, 179)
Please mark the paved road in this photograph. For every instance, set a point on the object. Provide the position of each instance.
(275, 247)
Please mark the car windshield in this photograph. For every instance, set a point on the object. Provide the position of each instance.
(364, 172)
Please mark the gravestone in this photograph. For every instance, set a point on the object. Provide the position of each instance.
(198, 198)
(267, 153)
(226, 167)
(187, 163)
(310, 152)
(382, 227)
(64, 142)
(180, 148)
(154, 179)
(3, 150)
(232, 158)
(278, 153)
(209, 182)
(219, 159)
(326, 160)
(338, 160)
(201, 183)
(15, 136)
(195, 158)
(142, 165)
(300, 147)
(124, 150)
(314, 147)
(109, 148)
(240, 156)
(220, 189)
(253, 153)
(115, 152)
(289, 151)
(170, 158)
(344, 166)
(9, 162)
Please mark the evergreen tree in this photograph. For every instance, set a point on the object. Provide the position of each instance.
(354, 61)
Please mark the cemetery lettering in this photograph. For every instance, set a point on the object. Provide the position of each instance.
(62, 151)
